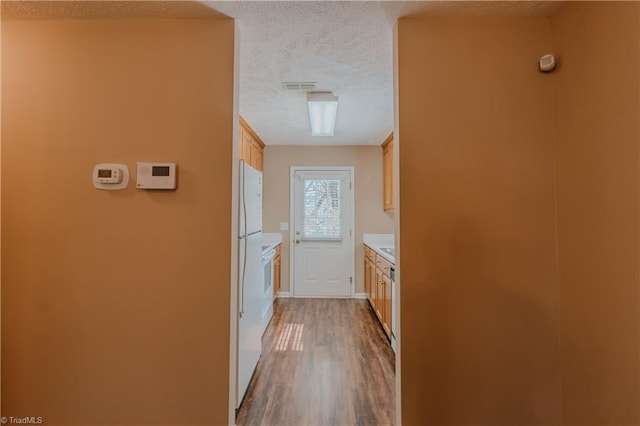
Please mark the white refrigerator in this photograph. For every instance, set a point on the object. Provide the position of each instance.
(250, 276)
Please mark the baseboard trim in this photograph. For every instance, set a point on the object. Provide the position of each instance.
(360, 296)
(284, 294)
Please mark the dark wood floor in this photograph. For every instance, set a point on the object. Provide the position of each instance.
(324, 362)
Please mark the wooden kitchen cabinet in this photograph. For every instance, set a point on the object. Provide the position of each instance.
(387, 173)
(379, 294)
(372, 279)
(277, 272)
(246, 144)
(251, 147)
(386, 304)
(367, 277)
(257, 156)
(377, 287)
(383, 269)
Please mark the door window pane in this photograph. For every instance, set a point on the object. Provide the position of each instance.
(322, 209)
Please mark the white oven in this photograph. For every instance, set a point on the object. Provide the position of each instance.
(267, 297)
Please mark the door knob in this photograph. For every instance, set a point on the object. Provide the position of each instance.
(297, 241)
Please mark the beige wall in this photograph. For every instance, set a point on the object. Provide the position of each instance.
(478, 273)
(520, 251)
(369, 216)
(116, 304)
(597, 104)
(0, 214)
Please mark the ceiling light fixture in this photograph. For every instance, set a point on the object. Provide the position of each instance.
(323, 107)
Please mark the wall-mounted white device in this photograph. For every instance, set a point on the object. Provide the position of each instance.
(156, 176)
(547, 63)
(110, 176)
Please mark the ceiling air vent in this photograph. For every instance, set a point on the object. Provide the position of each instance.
(297, 86)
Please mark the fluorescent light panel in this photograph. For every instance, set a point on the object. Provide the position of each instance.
(323, 107)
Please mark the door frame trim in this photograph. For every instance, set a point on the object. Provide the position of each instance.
(352, 173)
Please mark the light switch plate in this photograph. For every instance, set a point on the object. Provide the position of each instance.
(284, 226)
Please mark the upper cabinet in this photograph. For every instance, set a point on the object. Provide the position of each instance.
(251, 147)
(387, 173)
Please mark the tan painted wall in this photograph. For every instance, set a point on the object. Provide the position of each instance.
(369, 215)
(0, 214)
(477, 237)
(116, 304)
(597, 104)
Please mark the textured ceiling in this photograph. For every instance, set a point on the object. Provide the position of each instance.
(346, 47)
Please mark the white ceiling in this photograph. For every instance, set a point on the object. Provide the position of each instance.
(346, 47)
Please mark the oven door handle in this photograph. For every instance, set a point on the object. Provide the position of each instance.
(268, 256)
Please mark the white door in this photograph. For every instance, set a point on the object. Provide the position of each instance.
(322, 235)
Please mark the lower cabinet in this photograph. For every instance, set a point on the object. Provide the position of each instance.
(367, 277)
(379, 296)
(377, 287)
(386, 304)
(374, 285)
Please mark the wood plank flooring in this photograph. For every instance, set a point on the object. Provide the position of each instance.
(324, 362)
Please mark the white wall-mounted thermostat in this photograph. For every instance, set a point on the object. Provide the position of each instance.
(110, 176)
(156, 176)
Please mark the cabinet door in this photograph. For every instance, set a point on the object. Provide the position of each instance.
(379, 307)
(256, 155)
(372, 283)
(247, 141)
(241, 143)
(367, 277)
(276, 276)
(386, 308)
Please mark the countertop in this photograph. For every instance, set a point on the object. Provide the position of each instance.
(270, 241)
(378, 241)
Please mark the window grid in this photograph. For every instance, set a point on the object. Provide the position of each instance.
(322, 209)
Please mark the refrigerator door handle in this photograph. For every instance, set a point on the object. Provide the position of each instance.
(244, 271)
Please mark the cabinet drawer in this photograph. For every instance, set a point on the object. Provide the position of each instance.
(372, 255)
(369, 253)
(383, 264)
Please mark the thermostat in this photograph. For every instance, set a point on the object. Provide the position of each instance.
(156, 176)
(110, 176)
